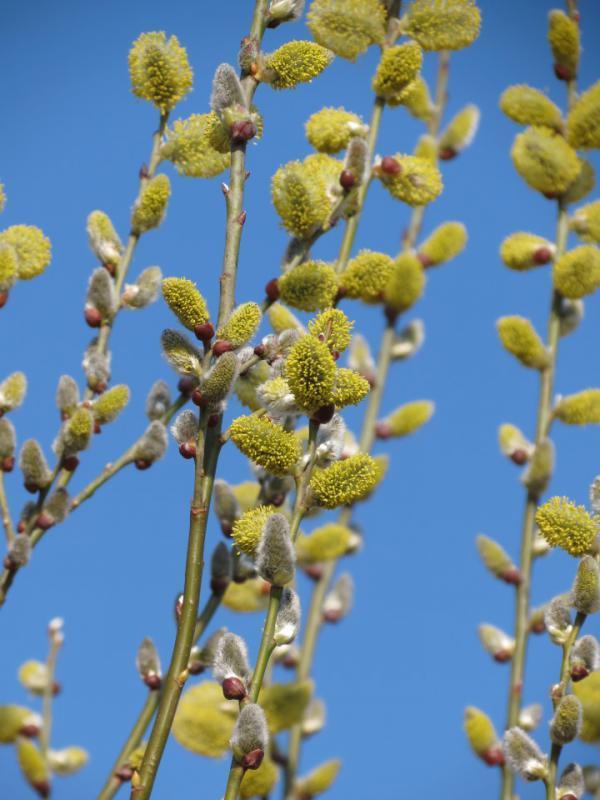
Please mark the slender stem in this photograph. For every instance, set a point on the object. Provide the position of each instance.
(45, 733)
(234, 195)
(107, 473)
(523, 590)
(113, 783)
(6, 517)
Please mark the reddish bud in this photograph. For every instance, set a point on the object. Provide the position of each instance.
(70, 463)
(243, 130)
(227, 528)
(272, 290)
(538, 627)
(569, 796)
(340, 294)
(218, 585)
(198, 398)
(8, 563)
(425, 260)
(332, 616)
(324, 414)
(512, 576)
(100, 387)
(519, 457)
(195, 668)
(391, 314)
(579, 672)
(110, 268)
(3, 299)
(143, 172)
(390, 166)
(97, 428)
(56, 688)
(563, 73)
(30, 730)
(233, 689)
(44, 521)
(253, 759)
(290, 660)
(259, 350)
(447, 154)
(153, 681)
(92, 316)
(314, 571)
(204, 332)
(7, 464)
(542, 255)
(347, 179)
(502, 656)
(31, 487)
(213, 420)
(242, 216)
(21, 526)
(494, 757)
(186, 385)
(124, 773)
(382, 430)
(42, 788)
(178, 606)
(142, 463)
(187, 450)
(221, 347)
(277, 500)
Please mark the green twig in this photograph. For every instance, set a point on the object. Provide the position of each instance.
(5, 511)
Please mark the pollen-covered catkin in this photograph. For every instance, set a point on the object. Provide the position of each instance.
(406, 283)
(348, 28)
(563, 36)
(521, 251)
(399, 66)
(443, 24)
(345, 482)
(198, 146)
(331, 129)
(519, 337)
(480, 731)
(185, 301)
(366, 276)
(566, 525)
(150, 209)
(585, 222)
(528, 106)
(241, 325)
(443, 244)
(583, 122)
(294, 63)
(577, 272)
(110, 404)
(582, 408)
(266, 444)
(31, 248)
(415, 182)
(545, 161)
(310, 372)
(310, 286)
(159, 70)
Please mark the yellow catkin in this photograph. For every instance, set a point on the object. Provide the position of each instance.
(566, 525)
(347, 28)
(583, 122)
(577, 272)
(296, 62)
(519, 337)
(266, 444)
(545, 161)
(366, 276)
(159, 70)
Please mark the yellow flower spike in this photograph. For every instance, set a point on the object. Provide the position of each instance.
(350, 388)
(345, 482)
(577, 272)
(528, 106)
(248, 529)
(294, 63)
(12, 721)
(247, 597)
(204, 720)
(521, 251)
(545, 161)
(332, 327)
(443, 24)
(406, 284)
(413, 180)
(583, 184)
(563, 36)
(330, 129)
(427, 148)
(443, 244)
(9, 267)
(282, 319)
(266, 444)
(583, 122)
(519, 337)
(366, 276)
(32, 249)
(242, 324)
(319, 780)
(310, 372)
(181, 354)
(585, 222)
(582, 408)
(459, 133)
(197, 146)
(284, 704)
(110, 404)
(185, 301)
(566, 525)
(310, 286)
(326, 543)
(347, 27)
(399, 66)
(259, 782)
(149, 211)
(159, 70)
(78, 430)
(301, 199)
(415, 99)
(406, 419)
(481, 734)
(587, 692)
(12, 391)
(103, 238)
(33, 766)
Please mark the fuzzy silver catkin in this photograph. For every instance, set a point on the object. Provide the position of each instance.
(287, 623)
(57, 506)
(67, 394)
(8, 438)
(158, 400)
(571, 781)
(586, 654)
(220, 565)
(101, 293)
(585, 594)
(226, 506)
(557, 618)
(227, 90)
(338, 602)
(275, 555)
(566, 722)
(250, 732)
(524, 756)
(20, 550)
(152, 445)
(205, 656)
(185, 427)
(147, 661)
(231, 658)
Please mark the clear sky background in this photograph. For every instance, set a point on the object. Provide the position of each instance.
(398, 672)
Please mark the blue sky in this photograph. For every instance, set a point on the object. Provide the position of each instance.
(398, 672)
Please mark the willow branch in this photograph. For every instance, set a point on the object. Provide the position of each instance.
(48, 694)
(5, 511)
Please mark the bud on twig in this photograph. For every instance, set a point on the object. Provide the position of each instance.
(338, 601)
(148, 664)
(230, 666)
(250, 736)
